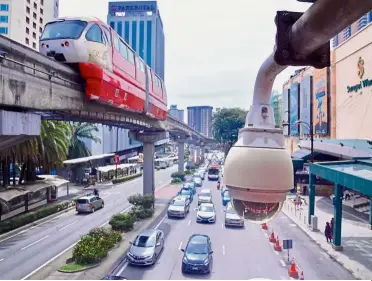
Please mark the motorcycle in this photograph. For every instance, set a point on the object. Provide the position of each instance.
(218, 186)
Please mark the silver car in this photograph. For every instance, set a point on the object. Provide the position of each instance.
(205, 196)
(89, 203)
(179, 207)
(232, 218)
(146, 248)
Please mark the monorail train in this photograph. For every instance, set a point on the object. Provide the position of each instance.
(113, 73)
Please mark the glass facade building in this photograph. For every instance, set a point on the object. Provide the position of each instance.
(200, 119)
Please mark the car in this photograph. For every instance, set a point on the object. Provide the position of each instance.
(178, 207)
(89, 204)
(202, 173)
(206, 213)
(185, 197)
(146, 247)
(198, 181)
(189, 185)
(187, 192)
(114, 277)
(198, 255)
(232, 218)
(226, 198)
(223, 189)
(205, 196)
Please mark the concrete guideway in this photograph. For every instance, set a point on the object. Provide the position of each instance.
(238, 253)
(37, 246)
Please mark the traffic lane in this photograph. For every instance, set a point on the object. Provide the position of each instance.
(239, 253)
(311, 259)
(54, 237)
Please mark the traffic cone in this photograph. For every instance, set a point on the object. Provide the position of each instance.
(302, 276)
(292, 271)
(272, 237)
(277, 246)
(264, 226)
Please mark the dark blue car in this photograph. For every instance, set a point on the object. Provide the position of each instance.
(187, 192)
(197, 256)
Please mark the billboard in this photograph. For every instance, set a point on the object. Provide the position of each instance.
(285, 111)
(305, 104)
(294, 109)
(131, 6)
(320, 98)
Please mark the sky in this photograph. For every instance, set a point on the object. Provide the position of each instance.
(213, 49)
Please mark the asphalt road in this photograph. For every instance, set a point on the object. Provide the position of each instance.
(238, 253)
(25, 252)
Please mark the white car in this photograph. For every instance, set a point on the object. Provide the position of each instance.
(179, 207)
(232, 218)
(206, 213)
(205, 196)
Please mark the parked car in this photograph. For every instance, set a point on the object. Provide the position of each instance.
(179, 207)
(197, 255)
(146, 248)
(89, 204)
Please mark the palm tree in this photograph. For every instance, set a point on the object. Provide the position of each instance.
(80, 131)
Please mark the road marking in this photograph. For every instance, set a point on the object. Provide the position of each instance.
(360, 219)
(222, 225)
(293, 224)
(266, 235)
(223, 250)
(160, 222)
(34, 242)
(1, 260)
(180, 246)
(122, 269)
(68, 225)
(189, 222)
(49, 261)
(283, 263)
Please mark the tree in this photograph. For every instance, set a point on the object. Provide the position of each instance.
(226, 124)
(80, 131)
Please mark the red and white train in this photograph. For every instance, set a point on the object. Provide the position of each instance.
(114, 74)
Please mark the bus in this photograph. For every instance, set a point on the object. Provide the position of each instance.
(214, 172)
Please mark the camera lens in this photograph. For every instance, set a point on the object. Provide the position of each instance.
(256, 212)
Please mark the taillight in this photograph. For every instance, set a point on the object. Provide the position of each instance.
(89, 205)
(76, 205)
(67, 44)
(43, 45)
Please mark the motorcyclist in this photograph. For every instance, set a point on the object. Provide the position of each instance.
(96, 192)
(218, 184)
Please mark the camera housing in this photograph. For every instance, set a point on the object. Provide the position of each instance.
(258, 169)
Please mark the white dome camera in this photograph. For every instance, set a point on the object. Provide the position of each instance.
(258, 170)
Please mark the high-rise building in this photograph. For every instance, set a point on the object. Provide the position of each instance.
(179, 114)
(23, 20)
(200, 119)
(140, 25)
(277, 105)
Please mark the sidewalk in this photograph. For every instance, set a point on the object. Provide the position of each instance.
(356, 256)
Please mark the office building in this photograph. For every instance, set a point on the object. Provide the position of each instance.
(23, 20)
(200, 119)
(179, 114)
(140, 25)
(277, 105)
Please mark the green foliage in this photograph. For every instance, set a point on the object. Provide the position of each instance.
(30, 217)
(127, 178)
(180, 175)
(176, 181)
(146, 201)
(122, 222)
(226, 124)
(140, 213)
(80, 131)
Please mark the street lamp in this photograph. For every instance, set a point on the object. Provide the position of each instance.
(117, 150)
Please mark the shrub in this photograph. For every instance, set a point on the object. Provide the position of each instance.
(122, 222)
(140, 213)
(180, 175)
(176, 180)
(109, 237)
(146, 201)
(127, 178)
(188, 172)
(90, 249)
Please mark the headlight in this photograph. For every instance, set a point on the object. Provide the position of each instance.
(206, 261)
(185, 260)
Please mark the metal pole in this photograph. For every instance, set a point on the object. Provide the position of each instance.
(117, 150)
(311, 125)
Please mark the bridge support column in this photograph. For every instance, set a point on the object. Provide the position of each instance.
(181, 155)
(148, 139)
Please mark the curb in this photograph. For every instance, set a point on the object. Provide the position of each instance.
(334, 258)
(79, 270)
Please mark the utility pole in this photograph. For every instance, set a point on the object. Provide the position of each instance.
(117, 150)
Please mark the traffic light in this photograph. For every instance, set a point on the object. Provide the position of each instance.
(285, 55)
(116, 159)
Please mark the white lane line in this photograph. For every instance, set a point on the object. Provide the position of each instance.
(223, 250)
(68, 225)
(37, 241)
(49, 261)
(283, 263)
(122, 269)
(222, 225)
(180, 246)
(1, 260)
(160, 222)
(23, 231)
(266, 235)
(189, 222)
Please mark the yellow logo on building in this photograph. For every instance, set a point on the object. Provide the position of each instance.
(360, 68)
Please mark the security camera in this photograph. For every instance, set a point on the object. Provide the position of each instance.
(258, 169)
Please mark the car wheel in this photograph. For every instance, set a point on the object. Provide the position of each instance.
(93, 210)
(103, 205)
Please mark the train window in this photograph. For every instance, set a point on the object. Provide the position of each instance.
(108, 35)
(138, 63)
(130, 56)
(94, 34)
(142, 66)
(71, 29)
(116, 43)
(123, 50)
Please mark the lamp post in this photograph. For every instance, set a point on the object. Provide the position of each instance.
(117, 150)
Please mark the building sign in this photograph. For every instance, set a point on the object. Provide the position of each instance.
(305, 109)
(145, 6)
(363, 83)
(320, 97)
(294, 109)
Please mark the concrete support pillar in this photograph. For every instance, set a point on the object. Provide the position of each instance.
(181, 155)
(312, 186)
(148, 139)
(337, 204)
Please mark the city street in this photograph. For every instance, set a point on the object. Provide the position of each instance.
(26, 251)
(238, 253)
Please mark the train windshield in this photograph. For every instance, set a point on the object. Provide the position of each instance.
(67, 29)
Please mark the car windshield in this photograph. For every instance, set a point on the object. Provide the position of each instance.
(226, 195)
(199, 249)
(205, 193)
(71, 29)
(83, 201)
(213, 171)
(178, 203)
(144, 241)
(230, 210)
(206, 209)
(185, 192)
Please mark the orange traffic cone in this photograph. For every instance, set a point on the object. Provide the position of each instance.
(292, 271)
(302, 276)
(264, 226)
(277, 246)
(272, 237)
